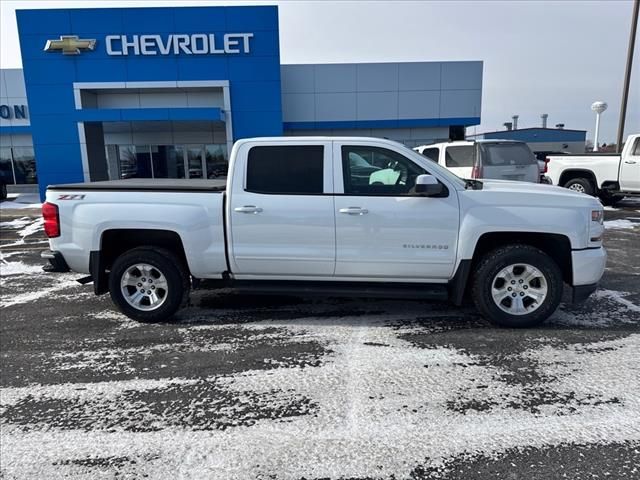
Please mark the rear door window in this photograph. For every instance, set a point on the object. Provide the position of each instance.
(497, 154)
(461, 156)
(286, 169)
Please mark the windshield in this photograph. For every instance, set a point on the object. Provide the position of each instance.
(497, 154)
(431, 167)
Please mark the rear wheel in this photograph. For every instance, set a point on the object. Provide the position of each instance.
(517, 286)
(149, 284)
(581, 185)
(3, 191)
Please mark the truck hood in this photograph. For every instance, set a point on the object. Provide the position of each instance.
(536, 194)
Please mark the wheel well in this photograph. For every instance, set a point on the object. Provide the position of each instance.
(571, 174)
(115, 242)
(558, 247)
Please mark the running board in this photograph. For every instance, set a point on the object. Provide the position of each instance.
(343, 289)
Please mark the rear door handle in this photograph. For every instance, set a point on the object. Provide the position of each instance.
(354, 211)
(248, 209)
(630, 161)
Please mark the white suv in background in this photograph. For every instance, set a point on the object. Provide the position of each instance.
(493, 159)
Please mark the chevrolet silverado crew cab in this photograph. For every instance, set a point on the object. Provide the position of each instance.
(332, 216)
(486, 159)
(609, 176)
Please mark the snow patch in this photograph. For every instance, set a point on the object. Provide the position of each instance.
(16, 223)
(64, 282)
(619, 224)
(18, 268)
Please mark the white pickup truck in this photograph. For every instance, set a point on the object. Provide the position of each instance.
(304, 215)
(610, 177)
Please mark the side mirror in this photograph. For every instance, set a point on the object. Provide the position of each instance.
(428, 186)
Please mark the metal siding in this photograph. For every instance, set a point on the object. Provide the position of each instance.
(335, 106)
(300, 107)
(461, 75)
(460, 103)
(417, 104)
(419, 76)
(336, 78)
(391, 94)
(377, 77)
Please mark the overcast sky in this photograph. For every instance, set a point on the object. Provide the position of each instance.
(554, 57)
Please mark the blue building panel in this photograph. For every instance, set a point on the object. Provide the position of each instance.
(253, 76)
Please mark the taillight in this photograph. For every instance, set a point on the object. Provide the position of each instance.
(546, 165)
(51, 220)
(476, 171)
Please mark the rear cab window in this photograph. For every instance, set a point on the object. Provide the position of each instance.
(497, 154)
(285, 169)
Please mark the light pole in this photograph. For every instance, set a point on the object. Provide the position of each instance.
(597, 107)
(627, 74)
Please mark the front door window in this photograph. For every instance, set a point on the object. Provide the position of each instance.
(377, 171)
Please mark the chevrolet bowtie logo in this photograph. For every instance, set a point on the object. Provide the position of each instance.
(70, 44)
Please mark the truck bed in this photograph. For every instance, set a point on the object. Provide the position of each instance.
(149, 184)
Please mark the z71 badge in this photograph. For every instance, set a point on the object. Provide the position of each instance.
(71, 197)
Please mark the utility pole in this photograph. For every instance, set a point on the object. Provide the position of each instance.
(627, 75)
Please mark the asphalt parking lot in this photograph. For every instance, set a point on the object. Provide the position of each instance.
(296, 388)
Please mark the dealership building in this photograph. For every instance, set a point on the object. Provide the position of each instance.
(164, 92)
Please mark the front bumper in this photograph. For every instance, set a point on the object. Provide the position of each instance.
(588, 267)
(57, 263)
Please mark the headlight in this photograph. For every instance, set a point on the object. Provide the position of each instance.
(596, 229)
(597, 216)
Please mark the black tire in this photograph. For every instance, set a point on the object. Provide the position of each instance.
(582, 185)
(493, 263)
(167, 264)
(3, 191)
(610, 200)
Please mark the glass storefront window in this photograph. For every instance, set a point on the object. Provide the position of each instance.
(194, 160)
(216, 160)
(6, 170)
(168, 161)
(24, 165)
(135, 161)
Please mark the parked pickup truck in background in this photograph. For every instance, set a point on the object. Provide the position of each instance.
(609, 176)
(299, 215)
(486, 159)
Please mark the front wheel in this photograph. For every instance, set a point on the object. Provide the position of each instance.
(3, 191)
(517, 286)
(149, 284)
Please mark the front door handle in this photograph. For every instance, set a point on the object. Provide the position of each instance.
(632, 162)
(248, 209)
(354, 211)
